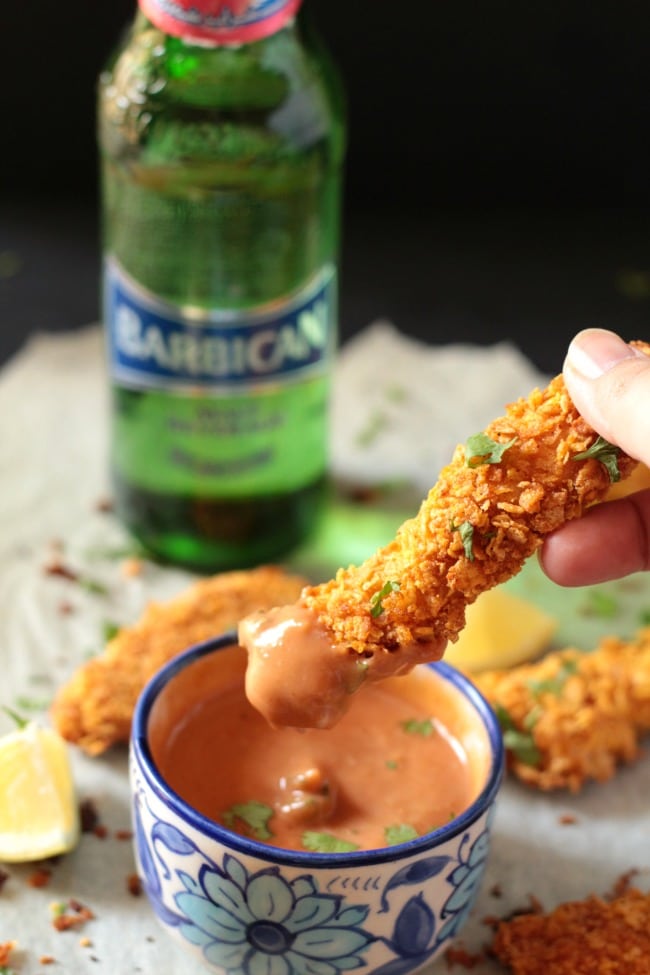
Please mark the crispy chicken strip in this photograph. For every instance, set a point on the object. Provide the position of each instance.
(589, 937)
(488, 512)
(574, 715)
(95, 708)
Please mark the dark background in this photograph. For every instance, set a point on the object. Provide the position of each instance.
(497, 176)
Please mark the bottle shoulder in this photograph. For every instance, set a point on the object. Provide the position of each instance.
(285, 86)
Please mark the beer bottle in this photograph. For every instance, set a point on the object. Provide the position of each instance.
(222, 136)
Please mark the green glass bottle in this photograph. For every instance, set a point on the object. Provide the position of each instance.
(222, 138)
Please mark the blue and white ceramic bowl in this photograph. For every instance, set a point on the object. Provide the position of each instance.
(246, 908)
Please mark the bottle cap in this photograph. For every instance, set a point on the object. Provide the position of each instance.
(220, 21)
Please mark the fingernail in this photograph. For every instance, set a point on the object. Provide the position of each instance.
(596, 351)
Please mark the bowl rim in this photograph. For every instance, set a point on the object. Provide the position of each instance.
(141, 751)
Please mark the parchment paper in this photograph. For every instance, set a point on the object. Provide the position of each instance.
(410, 405)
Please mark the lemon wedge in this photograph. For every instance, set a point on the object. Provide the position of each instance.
(38, 809)
(502, 630)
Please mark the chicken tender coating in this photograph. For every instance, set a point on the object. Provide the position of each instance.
(584, 713)
(474, 530)
(94, 709)
(589, 937)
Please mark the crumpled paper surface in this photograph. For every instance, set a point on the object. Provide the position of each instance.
(410, 405)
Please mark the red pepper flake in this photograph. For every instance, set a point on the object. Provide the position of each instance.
(46, 960)
(88, 815)
(123, 834)
(59, 569)
(6, 947)
(40, 877)
(71, 915)
(66, 608)
(622, 884)
(568, 819)
(100, 831)
(4, 877)
(133, 885)
(459, 956)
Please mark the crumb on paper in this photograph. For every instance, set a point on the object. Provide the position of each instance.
(131, 568)
(457, 955)
(134, 885)
(567, 819)
(70, 914)
(40, 877)
(88, 815)
(6, 947)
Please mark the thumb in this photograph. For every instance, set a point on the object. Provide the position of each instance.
(609, 382)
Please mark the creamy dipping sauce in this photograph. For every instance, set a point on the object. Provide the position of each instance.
(408, 756)
(296, 676)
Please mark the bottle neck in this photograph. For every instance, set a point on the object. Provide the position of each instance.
(220, 21)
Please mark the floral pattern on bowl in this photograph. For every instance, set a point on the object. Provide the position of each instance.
(244, 908)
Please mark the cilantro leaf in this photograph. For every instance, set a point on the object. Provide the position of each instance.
(255, 816)
(601, 604)
(554, 685)
(606, 453)
(326, 843)
(481, 449)
(399, 833)
(466, 532)
(376, 603)
(520, 743)
(413, 726)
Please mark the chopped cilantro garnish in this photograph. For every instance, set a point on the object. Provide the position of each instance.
(391, 764)
(19, 721)
(644, 617)
(520, 743)
(326, 843)
(466, 532)
(413, 726)
(481, 449)
(376, 603)
(601, 604)
(606, 453)
(255, 816)
(376, 422)
(400, 833)
(110, 630)
(554, 685)
(24, 703)
(93, 586)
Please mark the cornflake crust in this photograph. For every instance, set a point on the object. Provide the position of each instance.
(527, 473)
(594, 936)
(95, 708)
(573, 716)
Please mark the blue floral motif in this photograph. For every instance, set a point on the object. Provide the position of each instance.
(262, 924)
(259, 923)
(251, 923)
(415, 939)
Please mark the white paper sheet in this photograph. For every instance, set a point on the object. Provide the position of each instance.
(53, 437)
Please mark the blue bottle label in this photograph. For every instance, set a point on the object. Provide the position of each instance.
(154, 344)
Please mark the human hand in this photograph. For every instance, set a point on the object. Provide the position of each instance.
(609, 382)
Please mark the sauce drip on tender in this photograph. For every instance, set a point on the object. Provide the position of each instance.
(388, 764)
(296, 676)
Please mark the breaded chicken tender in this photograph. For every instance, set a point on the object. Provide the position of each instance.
(573, 716)
(94, 710)
(589, 937)
(529, 472)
